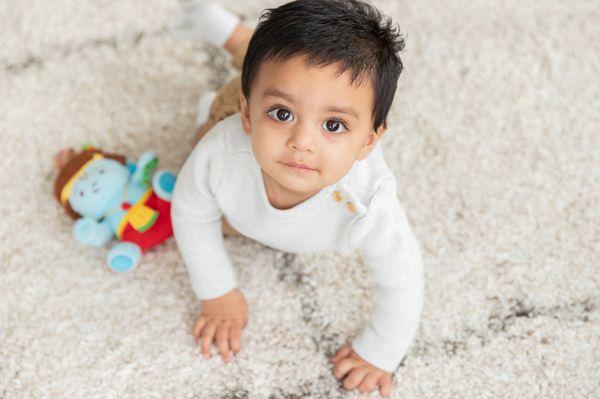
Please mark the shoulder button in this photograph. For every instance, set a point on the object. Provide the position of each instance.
(350, 207)
(337, 196)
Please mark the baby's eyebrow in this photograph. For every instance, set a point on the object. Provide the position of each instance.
(343, 110)
(271, 91)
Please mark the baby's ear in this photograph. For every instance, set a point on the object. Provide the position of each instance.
(370, 142)
(245, 113)
(381, 130)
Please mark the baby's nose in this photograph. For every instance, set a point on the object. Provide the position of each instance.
(302, 139)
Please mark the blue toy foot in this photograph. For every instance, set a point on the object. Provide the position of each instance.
(163, 183)
(124, 257)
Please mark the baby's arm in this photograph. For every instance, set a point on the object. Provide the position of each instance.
(392, 253)
(196, 220)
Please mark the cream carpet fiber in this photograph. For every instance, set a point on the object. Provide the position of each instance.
(495, 144)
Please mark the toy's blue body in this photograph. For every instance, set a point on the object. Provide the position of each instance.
(98, 195)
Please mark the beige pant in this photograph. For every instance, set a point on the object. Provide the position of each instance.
(226, 103)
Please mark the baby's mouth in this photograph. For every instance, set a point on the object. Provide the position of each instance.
(298, 165)
(299, 168)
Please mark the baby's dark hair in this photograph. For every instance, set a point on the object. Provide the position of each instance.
(350, 32)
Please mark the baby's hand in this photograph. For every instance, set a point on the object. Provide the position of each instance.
(361, 374)
(222, 318)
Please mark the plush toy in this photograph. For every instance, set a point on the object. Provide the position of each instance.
(111, 196)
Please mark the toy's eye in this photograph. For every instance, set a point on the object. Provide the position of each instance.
(101, 171)
(81, 193)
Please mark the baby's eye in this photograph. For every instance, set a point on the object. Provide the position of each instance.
(281, 115)
(332, 126)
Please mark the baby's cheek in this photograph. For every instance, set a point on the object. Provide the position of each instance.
(333, 171)
(260, 149)
(270, 155)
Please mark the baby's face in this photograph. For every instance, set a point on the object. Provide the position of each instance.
(308, 115)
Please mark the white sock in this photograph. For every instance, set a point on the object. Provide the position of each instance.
(204, 20)
(203, 108)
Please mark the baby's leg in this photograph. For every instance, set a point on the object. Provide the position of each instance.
(207, 21)
(224, 104)
(237, 44)
(226, 101)
(203, 20)
(213, 107)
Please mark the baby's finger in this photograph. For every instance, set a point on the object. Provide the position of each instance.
(343, 367)
(200, 322)
(223, 340)
(355, 378)
(369, 383)
(207, 337)
(235, 337)
(385, 385)
(341, 353)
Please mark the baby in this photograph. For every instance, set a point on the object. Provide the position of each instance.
(294, 162)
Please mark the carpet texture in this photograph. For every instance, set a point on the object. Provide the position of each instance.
(494, 139)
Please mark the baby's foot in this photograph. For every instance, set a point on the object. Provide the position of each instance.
(205, 21)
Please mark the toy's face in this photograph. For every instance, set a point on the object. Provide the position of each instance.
(99, 187)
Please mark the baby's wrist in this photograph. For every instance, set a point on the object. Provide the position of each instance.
(221, 297)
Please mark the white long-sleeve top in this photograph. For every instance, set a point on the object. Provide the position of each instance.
(359, 212)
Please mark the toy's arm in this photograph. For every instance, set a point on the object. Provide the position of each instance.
(130, 163)
(88, 231)
(144, 169)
